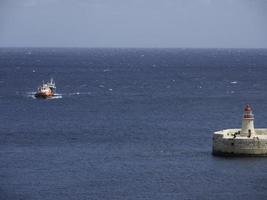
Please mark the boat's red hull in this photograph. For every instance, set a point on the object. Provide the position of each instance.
(43, 95)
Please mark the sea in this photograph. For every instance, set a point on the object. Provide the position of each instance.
(128, 124)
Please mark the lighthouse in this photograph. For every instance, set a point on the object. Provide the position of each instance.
(247, 122)
(245, 142)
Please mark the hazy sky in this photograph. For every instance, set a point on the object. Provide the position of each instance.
(134, 23)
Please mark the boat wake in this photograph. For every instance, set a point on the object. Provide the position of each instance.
(58, 95)
(78, 93)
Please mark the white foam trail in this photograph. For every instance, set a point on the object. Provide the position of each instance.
(107, 70)
(78, 93)
(234, 82)
(58, 95)
(32, 95)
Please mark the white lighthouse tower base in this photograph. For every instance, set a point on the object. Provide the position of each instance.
(246, 141)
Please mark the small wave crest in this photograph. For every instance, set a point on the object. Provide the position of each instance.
(234, 82)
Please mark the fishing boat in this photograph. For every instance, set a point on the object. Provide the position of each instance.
(46, 90)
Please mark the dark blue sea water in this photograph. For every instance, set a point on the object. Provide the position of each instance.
(128, 123)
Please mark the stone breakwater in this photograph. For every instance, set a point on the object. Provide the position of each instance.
(229, 142)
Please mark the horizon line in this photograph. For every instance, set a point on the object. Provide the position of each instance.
(77, 47)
